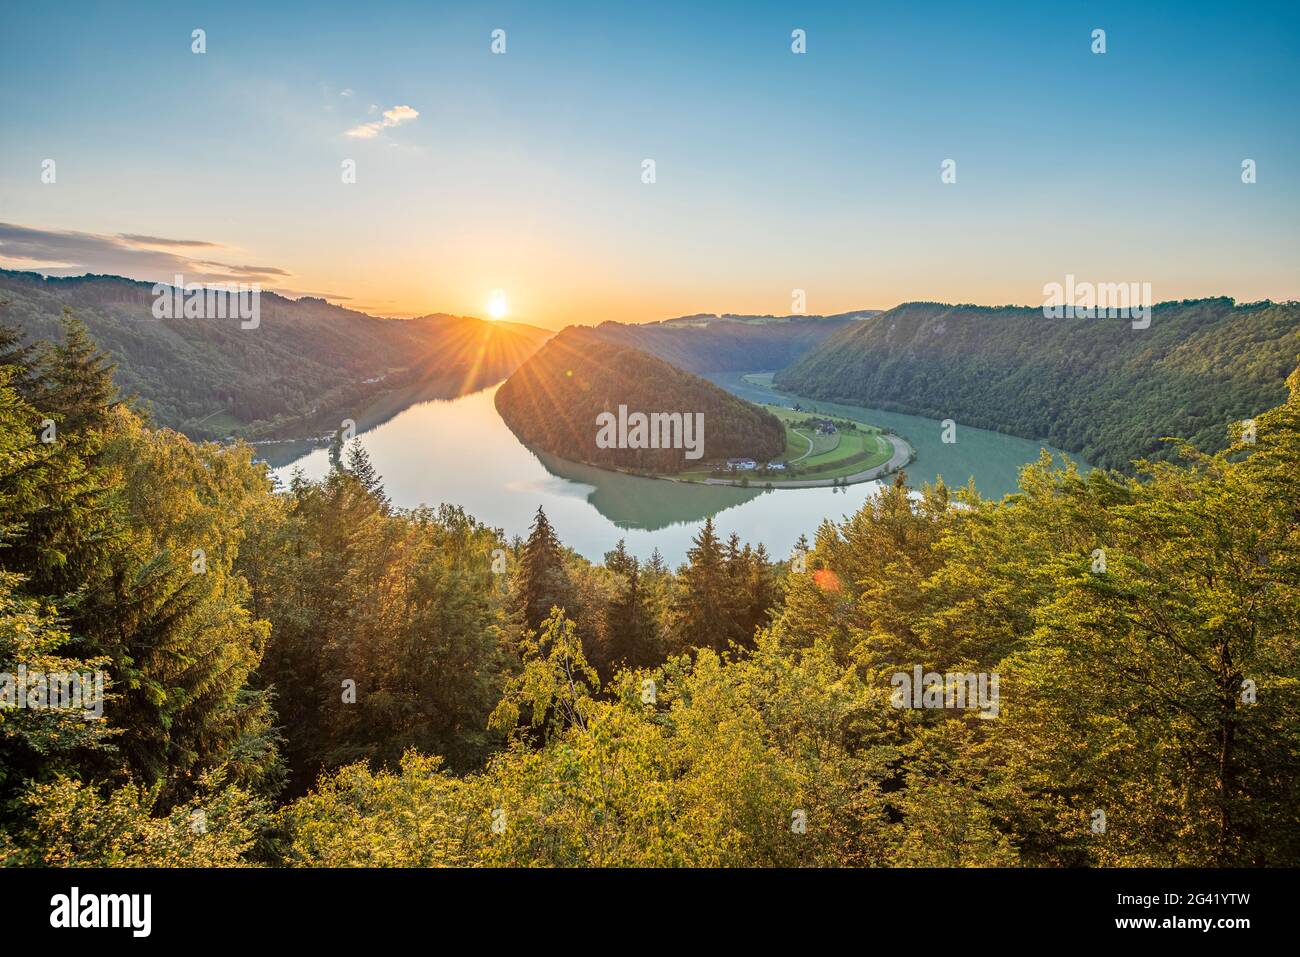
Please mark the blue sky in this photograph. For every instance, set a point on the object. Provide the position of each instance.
(775, 171)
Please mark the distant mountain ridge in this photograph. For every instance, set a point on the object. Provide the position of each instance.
(730, 343)
(1096, 387)
(766, 317)
(306, 360)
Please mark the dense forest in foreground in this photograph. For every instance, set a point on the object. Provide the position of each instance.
(553, 400)
(310, 676)
(1097, 387)
(307, 360)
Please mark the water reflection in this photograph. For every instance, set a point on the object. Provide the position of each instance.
(651, 504)
(459, 451)
(994, 459)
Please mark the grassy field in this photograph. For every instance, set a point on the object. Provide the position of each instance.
(221, 421)
(852, 448)
(796, 446)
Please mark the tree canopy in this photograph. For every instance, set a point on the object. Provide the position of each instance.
(311, 676)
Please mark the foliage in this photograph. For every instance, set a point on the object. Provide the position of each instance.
(513, 704)
(73, 825)
(553, 400)
(1097, 387)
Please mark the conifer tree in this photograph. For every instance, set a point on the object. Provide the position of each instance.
(760, 591)
(360, 468)
(630, 618)
(336, 449)
(702, 617)
(78, 380)
(19, 357)
(542, 581)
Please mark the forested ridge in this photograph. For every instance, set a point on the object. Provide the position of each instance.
(553, 400)
(343, 682)
(306, 359)
(1097, 387)
(729, 343)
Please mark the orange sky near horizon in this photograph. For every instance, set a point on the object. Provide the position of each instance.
(539, 303)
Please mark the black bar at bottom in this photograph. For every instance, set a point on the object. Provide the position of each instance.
(338, 906)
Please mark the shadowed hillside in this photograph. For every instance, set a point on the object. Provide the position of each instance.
(1097, 387)
(305, 360)
(553, 400)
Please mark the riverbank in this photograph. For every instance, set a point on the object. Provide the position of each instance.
(837, 459)
(501, 482)
(903, 455)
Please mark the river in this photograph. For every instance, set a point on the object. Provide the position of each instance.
(459, 451)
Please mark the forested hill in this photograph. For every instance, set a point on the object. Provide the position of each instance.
(552, 402)
(351, 684)
(1097, 387)
(708, 343)
(209, 377)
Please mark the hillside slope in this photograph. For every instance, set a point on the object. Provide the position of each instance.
(730, 343)
(1097, 387)
(209, 377)
(553, 400)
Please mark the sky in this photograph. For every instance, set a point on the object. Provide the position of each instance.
(520, 174)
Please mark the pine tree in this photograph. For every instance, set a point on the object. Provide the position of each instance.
(737, 561)
(702, 617)
(20, 358)
(336, 449)
(54, 518)
(360, 468)
(802, 548)
(167, 608)
(630, 620)
(78, 381)
(760, 591)
(542, 581)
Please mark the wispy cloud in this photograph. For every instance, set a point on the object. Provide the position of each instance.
(392, 117)
(153, 258)
(250, 271)
(138, 240)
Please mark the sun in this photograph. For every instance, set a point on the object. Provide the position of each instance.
(498, 306)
